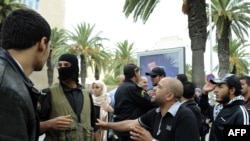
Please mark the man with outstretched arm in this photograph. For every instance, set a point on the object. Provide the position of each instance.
(170, 121)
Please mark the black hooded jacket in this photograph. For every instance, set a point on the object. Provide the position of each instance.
(232, 113)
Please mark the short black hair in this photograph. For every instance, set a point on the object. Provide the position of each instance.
(182, 77)
(23, 28)
(189, 89)
(247, 78)
(129, 70)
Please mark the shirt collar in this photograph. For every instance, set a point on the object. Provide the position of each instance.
(173, 109)
(18, 63)
(66, 88)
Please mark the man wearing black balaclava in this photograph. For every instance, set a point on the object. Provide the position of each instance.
(66, 106)
(68, 68)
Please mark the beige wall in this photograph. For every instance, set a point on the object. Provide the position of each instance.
(54, 12)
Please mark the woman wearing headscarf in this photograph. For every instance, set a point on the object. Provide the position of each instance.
(101, 104)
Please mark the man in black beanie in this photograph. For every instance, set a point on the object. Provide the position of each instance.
(66, 109)
(68, 67)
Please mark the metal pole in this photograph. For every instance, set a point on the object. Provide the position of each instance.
(210, 36)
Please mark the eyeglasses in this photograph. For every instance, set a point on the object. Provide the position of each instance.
(153, 76)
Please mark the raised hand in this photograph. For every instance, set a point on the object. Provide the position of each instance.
(208, 87)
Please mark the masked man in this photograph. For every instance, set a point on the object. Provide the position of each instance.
(66, 109)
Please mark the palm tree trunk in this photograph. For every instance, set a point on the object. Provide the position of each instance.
(223, 49)
(50, 70)
(197, 23)
(97, 73)
(1, 35)
(83, 72)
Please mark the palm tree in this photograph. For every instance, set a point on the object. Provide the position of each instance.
(99, 59)
(124, 54)
(188, 71)
(140, 8)
(6, 7)
(88, 47)
(58, 39)
(238, 58)
(196, 10)
(228, 17)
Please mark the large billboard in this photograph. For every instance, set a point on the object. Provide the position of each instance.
(172, 60)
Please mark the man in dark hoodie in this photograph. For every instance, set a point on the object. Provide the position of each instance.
(229, 109)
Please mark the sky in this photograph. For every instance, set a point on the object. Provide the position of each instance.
(167, 20)
(108, 17)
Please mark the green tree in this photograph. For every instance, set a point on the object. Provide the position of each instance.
(99, 59)
(58, 39)
(196, 10)
(124, 54)
(110, 80)
(188, 71)
(229, 17)
(238, 58)
(6, 7)
(89, 48)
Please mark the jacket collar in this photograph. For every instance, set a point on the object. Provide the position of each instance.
(15, 66)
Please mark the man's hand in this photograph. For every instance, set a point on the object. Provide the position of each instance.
(106, 107)
(208, 87)
(102, 124)
(138, 133)
(61, 122)
(151, 93)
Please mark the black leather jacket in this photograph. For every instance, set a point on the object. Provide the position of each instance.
(18, 121)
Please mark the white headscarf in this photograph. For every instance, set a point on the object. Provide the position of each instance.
(103, 98)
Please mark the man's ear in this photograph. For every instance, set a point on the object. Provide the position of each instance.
(42, 45)
(232, 91)
(170, 96)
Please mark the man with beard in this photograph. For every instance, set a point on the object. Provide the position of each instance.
(66, 109)
(229, 109)
(169, 122)
(156, 74)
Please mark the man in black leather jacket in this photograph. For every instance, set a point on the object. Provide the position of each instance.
(25, 48)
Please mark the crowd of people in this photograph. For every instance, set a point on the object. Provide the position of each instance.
(172, 109)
